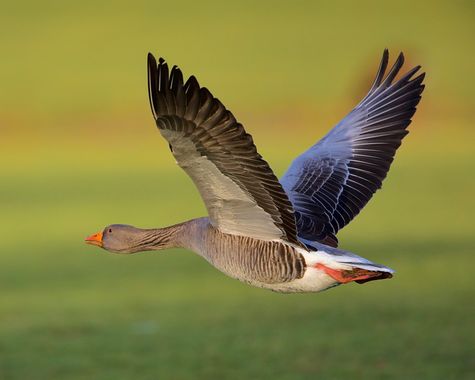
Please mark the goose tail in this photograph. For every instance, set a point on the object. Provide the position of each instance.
(345, 266)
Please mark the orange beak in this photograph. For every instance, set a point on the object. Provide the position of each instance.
(95, 239)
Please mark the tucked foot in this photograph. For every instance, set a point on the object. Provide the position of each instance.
(355, 274)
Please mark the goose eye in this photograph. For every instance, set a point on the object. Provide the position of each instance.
(110, 230)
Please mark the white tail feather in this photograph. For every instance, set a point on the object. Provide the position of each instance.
(339, 259)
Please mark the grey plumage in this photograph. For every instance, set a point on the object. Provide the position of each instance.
(261, 231)
(332, 181)
(244, 257)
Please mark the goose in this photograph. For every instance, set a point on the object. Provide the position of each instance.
(277, 235)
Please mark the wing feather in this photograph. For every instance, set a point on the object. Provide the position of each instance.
(239, 189)
(332, 181)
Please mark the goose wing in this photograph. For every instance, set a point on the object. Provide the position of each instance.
(333, 180)
(239, 189)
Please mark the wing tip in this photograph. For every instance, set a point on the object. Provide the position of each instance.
(150, 57)
(394, 70)
(385, 57)
(381, 70)
(383, 81)
(400, 58)
(152, 83)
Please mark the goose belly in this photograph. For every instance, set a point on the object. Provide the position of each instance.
(263, 262)
(273, 265)
(249, 259)
(278, 278)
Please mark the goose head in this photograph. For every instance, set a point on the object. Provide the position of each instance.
(119, 238)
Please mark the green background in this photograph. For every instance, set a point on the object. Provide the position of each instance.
(79, 150)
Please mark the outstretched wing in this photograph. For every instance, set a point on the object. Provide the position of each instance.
(332, 181)
(239, 189)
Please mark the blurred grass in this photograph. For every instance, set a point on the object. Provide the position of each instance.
(79, 151)
(64, 61)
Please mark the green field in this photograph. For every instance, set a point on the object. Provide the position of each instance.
(79, 150)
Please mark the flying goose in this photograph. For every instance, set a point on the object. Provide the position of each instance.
(270, 234)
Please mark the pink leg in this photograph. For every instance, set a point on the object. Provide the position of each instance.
(356, 274)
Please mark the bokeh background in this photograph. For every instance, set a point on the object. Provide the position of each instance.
(79, 150)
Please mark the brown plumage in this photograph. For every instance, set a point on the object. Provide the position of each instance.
(271, 234)
(189, 112)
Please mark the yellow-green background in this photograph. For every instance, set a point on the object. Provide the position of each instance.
(79, 150)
